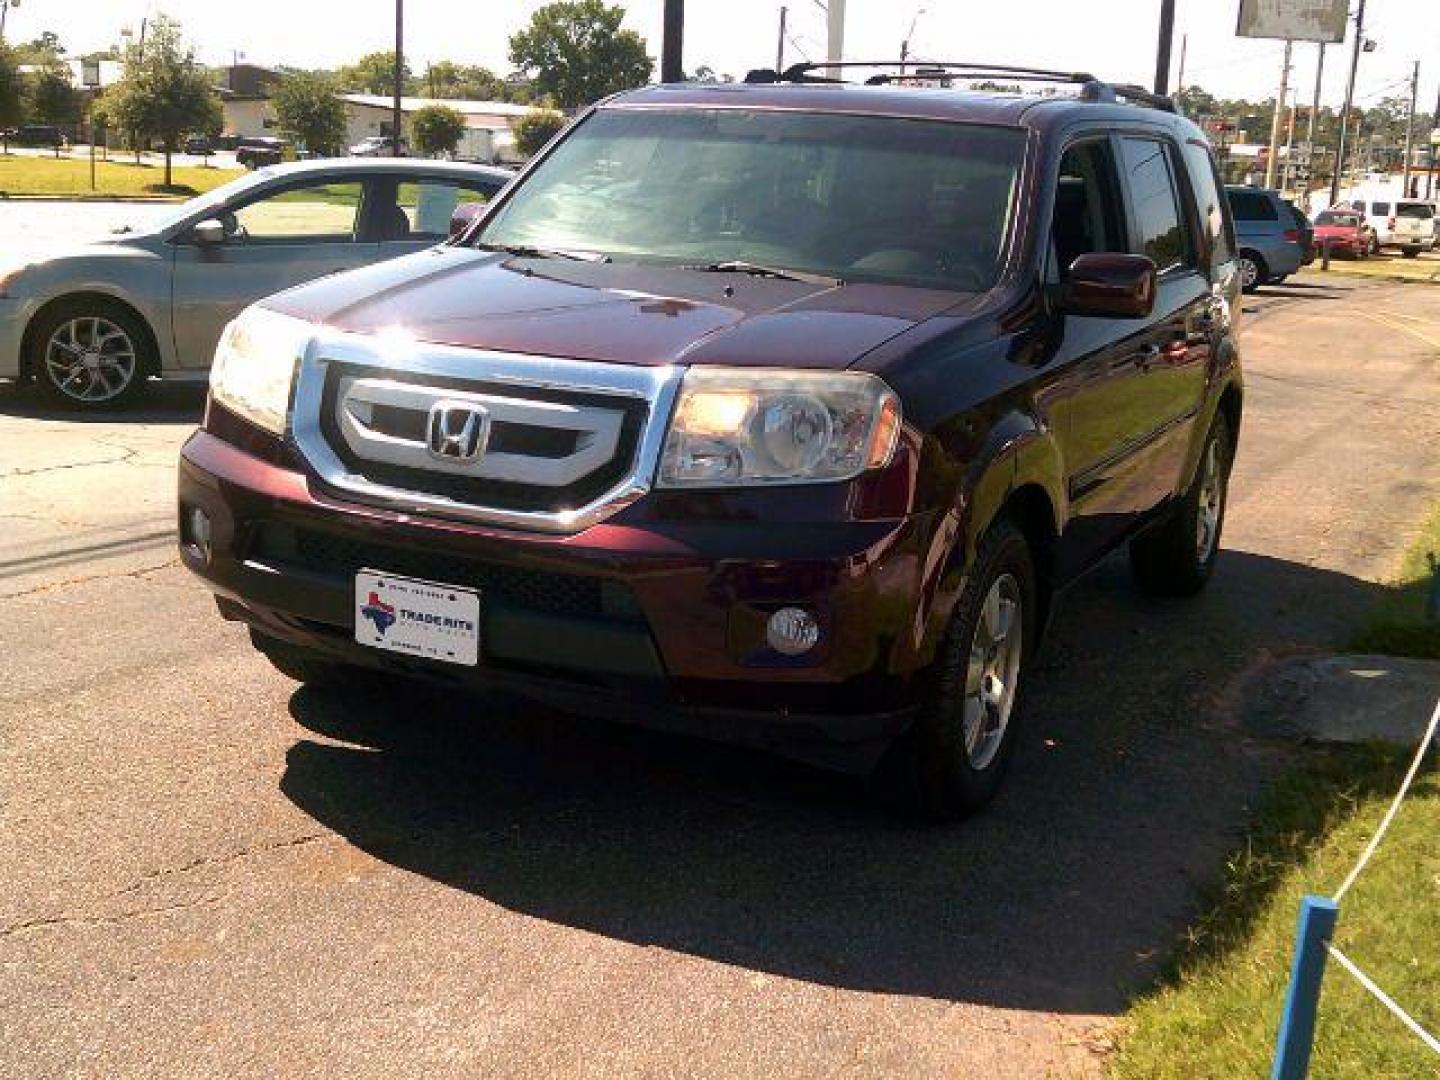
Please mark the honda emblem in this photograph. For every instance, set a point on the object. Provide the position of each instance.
(457, 431)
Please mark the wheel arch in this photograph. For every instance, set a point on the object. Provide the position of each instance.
(30, 340)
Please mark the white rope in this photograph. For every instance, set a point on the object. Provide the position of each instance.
(1385, 999)
(1394, 806)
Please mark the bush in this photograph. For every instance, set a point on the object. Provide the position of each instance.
(534, 130)
(437, 129)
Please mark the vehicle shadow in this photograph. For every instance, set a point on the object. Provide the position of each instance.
(160, 403)
(1129, 790)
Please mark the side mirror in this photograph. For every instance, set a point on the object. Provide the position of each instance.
(1110, 284)
(463, 215)
(209, 232)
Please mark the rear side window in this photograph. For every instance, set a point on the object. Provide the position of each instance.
(1380, 209)
(1252, 206)
(1159, 233)
(1205, 182)
(1420, 210)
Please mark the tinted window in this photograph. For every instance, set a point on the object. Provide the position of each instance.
(1252, 206)
(1157, 208)
(1205, 182)
(1380, 208)
(1423, 211)
(862, 198)
(1087, 208)
(1331, 217)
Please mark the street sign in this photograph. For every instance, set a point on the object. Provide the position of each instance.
(90, 73)
(1294, 20)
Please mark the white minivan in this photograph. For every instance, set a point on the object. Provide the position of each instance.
(1412, 229)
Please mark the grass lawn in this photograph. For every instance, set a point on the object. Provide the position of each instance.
(1218, 1015)
(65, 176)
(1217, 1012)
(1399, 626)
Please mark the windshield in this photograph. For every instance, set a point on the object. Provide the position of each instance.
(1330, 218)
(858, 198)
(1423, 211)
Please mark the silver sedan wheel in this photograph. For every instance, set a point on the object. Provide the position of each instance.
(1212, 503)
(993, 671)
(90, 359)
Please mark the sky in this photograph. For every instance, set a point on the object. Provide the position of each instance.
(1114, 39)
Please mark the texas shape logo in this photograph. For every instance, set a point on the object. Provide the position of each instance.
(379, 612)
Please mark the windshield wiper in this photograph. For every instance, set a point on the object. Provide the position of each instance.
(529, 252)
(738, 266)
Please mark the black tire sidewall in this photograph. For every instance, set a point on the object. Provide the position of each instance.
(52, 320)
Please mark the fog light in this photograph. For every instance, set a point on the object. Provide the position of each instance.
(197, 523)
(792, 631)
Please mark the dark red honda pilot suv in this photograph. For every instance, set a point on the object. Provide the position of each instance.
(775, 412)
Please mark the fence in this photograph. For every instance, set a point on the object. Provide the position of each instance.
(1313, 933)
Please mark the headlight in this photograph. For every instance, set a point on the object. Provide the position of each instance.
(255, 366)
(8, 276)
(738, 426)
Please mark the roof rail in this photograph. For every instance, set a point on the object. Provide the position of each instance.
(1091, 88)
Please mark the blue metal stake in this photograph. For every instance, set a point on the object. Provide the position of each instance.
(1297, 1027)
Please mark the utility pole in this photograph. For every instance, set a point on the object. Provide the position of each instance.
(835, 35)
(1180, 78)
(1349, 101)
(5, 6)
(672, 50)
(1287, 180)
(780, 43)
(1314, 112)
(1162, 51)
(1275, 121)
(905, 45)
(397, 118)
(1434, 128)
(1410, 131)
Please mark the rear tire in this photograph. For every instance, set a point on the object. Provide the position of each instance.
(1410, 252)
(1177, 556)
(953, 758)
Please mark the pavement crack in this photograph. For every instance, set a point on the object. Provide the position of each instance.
(47, 921)
(50, 586)
(221, 860)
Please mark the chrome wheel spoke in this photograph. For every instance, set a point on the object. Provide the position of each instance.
(991, 671)
(90, 359)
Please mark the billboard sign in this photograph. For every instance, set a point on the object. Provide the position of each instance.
(1294, 20)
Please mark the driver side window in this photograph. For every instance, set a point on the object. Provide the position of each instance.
(319, 213)
(1087, 206)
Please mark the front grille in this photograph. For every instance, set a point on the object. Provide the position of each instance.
(521, 450)
(540, 591)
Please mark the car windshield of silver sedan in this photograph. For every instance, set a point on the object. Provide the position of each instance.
(774, 193)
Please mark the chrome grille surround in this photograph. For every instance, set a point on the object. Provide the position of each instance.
(361, 365)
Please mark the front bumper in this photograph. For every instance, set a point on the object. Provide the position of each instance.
(650, 617)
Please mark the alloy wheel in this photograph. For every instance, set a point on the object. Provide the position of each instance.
(1249, 272)
(992, 672)
(90, 359)
(1211, 503)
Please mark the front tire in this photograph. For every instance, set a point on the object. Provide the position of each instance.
(1410, 252)
(90, 354)
(953, 758)
(1252, 271)
(1177, 556)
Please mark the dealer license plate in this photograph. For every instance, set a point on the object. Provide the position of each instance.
(424, 619)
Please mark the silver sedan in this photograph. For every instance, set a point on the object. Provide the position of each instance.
(88, 326)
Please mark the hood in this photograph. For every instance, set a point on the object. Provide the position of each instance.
(625, 313)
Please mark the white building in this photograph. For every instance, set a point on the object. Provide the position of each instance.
(488, 123)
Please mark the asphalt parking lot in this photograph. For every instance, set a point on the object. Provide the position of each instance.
(205, 870)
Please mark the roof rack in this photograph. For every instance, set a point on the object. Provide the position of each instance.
(1091, 88)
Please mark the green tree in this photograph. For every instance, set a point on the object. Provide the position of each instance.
(309, 111)
(164, 95)
(534, 130)
(11, 95)
(52, 98)
(42, 50)
(437, 129)
(579, 54)
(447, 79)
(374, 73)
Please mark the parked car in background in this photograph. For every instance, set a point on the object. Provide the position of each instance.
(1413, 228)
(1306, 231)
(39, 135)
(800, 463)
(199, 146)
(378, 146)
(1344, 231)
(89, 325)
(1379, 218)
(258, 151)
(1267, 234)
